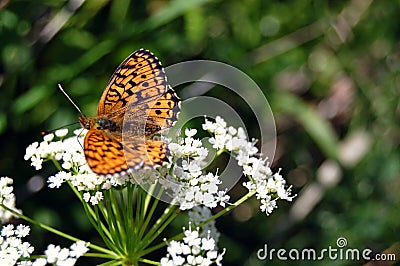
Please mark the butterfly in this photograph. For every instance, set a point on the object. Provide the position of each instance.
(136, 105)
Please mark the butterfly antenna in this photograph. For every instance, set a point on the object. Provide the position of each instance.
(66, 95)
(54, 130)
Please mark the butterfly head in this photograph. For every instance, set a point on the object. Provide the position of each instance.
(86, 122)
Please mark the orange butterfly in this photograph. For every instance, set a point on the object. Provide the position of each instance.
(136, 104)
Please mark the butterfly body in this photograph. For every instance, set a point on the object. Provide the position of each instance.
(136, 104)
(99, 123)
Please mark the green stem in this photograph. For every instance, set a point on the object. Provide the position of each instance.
(111, 263)
(55, 231)
(149, 262)
(214, 217)
(160, 223)
(79, 196)
(120, 232)
(149, 215)
(228, 209)
(219, 152)
(57, 164)
(172, 215)
(99, 255)
(128, 216)
(139, 214)
(107, 209)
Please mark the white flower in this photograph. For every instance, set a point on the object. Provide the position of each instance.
(207, 243)
(7, 230)
(36, 162)
(195, 187)
(26, 249)
(192, 237)
(48, 137)
(61, 132)
(267, 205)
(86, 196)
(57, 180)
(200, 214)
(222, 198)
(190, 132)
(5, 189)
(22, 231)
(193, 250)
(40, 262)
(96, 198)
(52, 252)
(7, 198)
(12, 248)
(31, 150)
(64, 256)
(209, 125)
(78, 249)
(198, 190)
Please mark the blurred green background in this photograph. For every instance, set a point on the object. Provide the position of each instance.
(330, 70)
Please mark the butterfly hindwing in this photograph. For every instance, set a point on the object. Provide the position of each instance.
(165, 110)
(104, 154)
(145, 153)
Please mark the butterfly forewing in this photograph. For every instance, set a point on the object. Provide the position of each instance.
(127, 79)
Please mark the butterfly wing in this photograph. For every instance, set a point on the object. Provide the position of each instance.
(140, 77)
(141, 153)
(164, 112)
(146, 118)
(138, 97)
(104, 154)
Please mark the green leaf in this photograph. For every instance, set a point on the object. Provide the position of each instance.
(30, 99)
(316, 126)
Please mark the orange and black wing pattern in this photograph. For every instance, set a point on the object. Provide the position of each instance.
(104, 154)
(140, 78)
(136, 103)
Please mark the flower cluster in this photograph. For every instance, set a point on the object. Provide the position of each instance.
(63, 256)
(12, 248)
(7, 198)
(13, 251)
(233, 140)
(63, 149)
(191, 185)
(201, 214)
(195, 187)
(193, 250)
(67, 153)
(268, 186)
